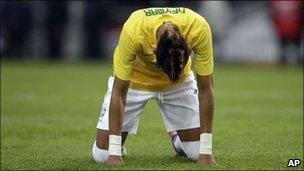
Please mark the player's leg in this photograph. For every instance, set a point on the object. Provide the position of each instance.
(101, 145)
(190, 142)
(176, 143)
(186, 142)
(135, 103)
(180, 111)
(102, 138)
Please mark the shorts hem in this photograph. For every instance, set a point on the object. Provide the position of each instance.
(194, 125)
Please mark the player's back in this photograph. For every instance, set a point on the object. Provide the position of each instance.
(142, 26)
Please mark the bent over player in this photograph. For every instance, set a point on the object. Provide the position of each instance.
(151, 61)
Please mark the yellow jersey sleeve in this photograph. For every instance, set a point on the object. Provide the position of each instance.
(203, 49)
(124, 54)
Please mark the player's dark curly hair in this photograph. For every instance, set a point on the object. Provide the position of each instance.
(172, 52)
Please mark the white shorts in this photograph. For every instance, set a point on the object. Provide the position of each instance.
(179, 107)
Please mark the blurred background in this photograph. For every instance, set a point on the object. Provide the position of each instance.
(243, 31)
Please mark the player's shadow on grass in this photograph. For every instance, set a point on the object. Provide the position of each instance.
(150, 161)
(177, 159)
(146, 160)
(138, 162)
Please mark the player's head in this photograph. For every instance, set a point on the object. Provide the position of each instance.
(172, 51)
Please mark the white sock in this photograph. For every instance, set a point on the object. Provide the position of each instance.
(99, 155)
(191, 148)
(178, 144)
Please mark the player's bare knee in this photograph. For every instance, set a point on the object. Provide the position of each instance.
(99, 155)
(191, 148)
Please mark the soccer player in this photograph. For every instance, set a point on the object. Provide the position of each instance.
(152, 61)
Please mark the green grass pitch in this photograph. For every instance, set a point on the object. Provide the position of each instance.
(49, 111)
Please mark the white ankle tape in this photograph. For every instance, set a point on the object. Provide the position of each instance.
(205, 143)
(115, 145)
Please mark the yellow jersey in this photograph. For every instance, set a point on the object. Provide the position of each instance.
(134, 59)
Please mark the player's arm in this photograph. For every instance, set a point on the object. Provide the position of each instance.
(206, 103)
(117, 105)
(116, 116)
(206, 108)
(203, 49)
(124, 57)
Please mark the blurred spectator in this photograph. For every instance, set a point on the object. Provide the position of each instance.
(73, 35)
(287, 19)
(15, 27)
(2, 42)
(103, 21)
(38, 47)
(56, 18)
(219, 15)
(97, 17)
(120, 12)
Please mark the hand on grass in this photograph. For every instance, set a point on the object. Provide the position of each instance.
(115, 161)
(206, 159)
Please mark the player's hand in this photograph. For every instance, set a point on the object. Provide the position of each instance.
(206, 159)
(115, 161)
